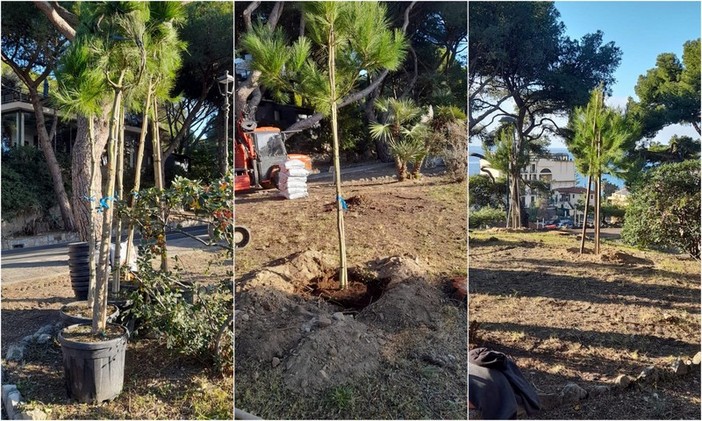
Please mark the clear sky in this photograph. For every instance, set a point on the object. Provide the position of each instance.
(642, 30)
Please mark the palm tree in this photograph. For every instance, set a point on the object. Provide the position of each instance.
(400, 128)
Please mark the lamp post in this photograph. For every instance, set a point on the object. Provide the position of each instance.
(513, 155)
(224, 84)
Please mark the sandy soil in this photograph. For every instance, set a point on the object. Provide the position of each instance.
(588, 319)
(159, 383)
(395, 346)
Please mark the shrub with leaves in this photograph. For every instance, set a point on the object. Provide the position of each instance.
(194, 319)
(665, 209)
(485, 217)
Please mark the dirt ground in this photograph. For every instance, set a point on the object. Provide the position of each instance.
(393, 347)
(159, 384)
(588, 319)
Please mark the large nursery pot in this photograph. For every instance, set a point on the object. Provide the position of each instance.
(93, 364)
(78, 312)
(78, 259)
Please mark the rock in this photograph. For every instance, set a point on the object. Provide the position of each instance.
(680, 368)
(324, 374)
(550, 401)
(34, 414)
(275, 362)
(573, 393)
(333, 352)
(244, 317)
(28, 339)
(324, 321)
(599, 390)
(15, 353)
(649, 374)
(338, 316)
(48, 329)
(43, 338)
(622, 381)
(696, 359)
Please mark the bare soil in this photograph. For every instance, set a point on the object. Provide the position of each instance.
(587, 319)
(393, 345)
(159, 383)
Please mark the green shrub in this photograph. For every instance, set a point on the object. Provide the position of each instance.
(485, 217)
(26, 181)
(665, 209)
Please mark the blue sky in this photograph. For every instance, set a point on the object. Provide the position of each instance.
(642, 30)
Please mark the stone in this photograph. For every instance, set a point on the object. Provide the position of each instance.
(599, 390)
(338, 316)
(573, 393)
(15, 353)
(622, 381)
(28, 339)
(48, 329)
(333, 352)
(550, 401)
(43, 338)
(244, 317)
(324, 321)
(324, 374)
(697, 358)
(680, 368)
(275, 362)
(649, 374)
(34, 414)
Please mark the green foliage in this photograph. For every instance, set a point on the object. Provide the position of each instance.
(608, 210)
(364, 42)
(670, 92)
(401, 129)
(483, 192)
(162, 303)
(665, 209)
(26, 182)
(614, 131)
(486, 217)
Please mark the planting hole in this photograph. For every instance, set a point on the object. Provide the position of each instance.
(362, 290)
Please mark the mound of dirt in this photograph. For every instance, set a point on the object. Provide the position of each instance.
(624, 258)
(315, 342)
(408, 304)
(329, 356)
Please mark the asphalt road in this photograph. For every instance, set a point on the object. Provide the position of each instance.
(19, 265)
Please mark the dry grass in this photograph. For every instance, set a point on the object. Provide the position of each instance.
(587, 319)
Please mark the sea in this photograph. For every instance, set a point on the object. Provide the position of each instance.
(474, 166)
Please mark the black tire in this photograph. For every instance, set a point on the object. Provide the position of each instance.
(242, 237)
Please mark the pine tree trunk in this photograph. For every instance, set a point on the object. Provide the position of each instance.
(92, 238)
(100, 299)
(343, 278)
(598, 190)
(51, 161)
(137, 170)
(587, 206)
(84, 152)
(158, 180)
(119, 193)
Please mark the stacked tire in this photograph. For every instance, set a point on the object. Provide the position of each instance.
(78, 258)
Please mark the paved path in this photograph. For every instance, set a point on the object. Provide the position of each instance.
(22, 265)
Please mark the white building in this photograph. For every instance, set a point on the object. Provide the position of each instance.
(619, 197)
(558, 170)
(566, 198)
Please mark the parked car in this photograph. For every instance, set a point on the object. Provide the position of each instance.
(566, 223)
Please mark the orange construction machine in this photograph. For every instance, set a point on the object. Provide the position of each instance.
(259, 153)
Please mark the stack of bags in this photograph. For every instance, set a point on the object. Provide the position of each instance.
(292, 180)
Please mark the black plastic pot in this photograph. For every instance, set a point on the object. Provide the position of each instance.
(94, 371)
(78, 258)
(68, 319)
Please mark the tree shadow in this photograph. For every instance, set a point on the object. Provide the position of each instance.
(588, 289)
